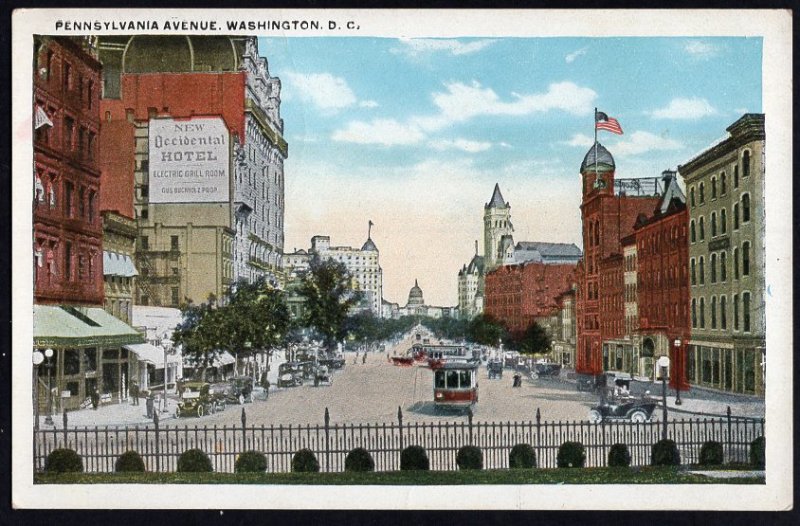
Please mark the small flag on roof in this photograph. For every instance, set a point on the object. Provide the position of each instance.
(603, 122)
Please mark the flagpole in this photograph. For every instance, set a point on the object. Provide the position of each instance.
(595, 146)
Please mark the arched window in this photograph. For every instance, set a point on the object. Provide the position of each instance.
(723, 314)
(713, 312)
(702, 271)
(694, 272)
(692, 234)
(713, 224)
(702, 228)
(723, 270)
(702, 313)
(713, 268)
(736, 176)
(736, 312)
(746, 311)
(694, 313)
(702, 193)
(736, 216)
(691, 196)
(723, 221)
(745, 208)
(735, 263)
(746, 258)
(713, 188)
(722, 184)
(746, 165)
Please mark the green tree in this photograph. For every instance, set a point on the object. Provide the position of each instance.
(327, 289)
(485, 330)
(534, 340)
(201, 334)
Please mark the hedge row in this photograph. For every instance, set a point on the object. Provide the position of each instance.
(521, 456)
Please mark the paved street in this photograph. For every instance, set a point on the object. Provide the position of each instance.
(372, 392)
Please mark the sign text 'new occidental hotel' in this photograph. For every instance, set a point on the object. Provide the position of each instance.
(189, 160)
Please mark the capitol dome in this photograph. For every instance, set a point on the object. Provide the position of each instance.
(599, 157)
(415, 296)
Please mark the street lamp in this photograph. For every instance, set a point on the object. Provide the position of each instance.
(48, 354)
(663, 367)
(678, 373)
(38, 358)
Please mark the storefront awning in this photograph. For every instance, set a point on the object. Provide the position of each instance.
(146, 352)
(68, 326)
(115, 264)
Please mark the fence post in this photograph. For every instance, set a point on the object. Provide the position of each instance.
(400, 422)
(327, 441)
(64, 418)
(244, 431)
(158, 447)
(728, 413)
(469, 418)
(538, 435)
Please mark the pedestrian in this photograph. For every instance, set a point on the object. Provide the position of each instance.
(134, 392)
(95, 398)
(149, 402)
(364, 358)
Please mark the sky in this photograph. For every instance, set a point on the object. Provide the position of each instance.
(413, 134)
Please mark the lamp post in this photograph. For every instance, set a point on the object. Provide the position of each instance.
(663, 367)
(38, 358)
(48, 354)
(678, 373)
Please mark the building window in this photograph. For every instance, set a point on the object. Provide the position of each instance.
(735, 263)
(746, 311)
(736, 216)
(174, 296)
(713, 224)
(723, 270)
(722, 184)
(702, 193)
(694, 313)
(723, 314)
(736, 312)
(702, 229)
(68, 261)
(745, 208)
(723, 222)
(746, 163)
(144, 242)
(92, 204)
(69, 190)
(692, 235)
(67, 79)
(69, 133)
(81, 201)
(736, 176)
(702, 313)
(173, 243)
(144, 213)
(713, 268)
(694, 272)
(746, 258)
(145, 191)
(702, 271)
(713, 188)
(713, 312)
(691, 196)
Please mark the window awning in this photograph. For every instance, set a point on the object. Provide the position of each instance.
(147, 352)
(115, 264)
(69, 326)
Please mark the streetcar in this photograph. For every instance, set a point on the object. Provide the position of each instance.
(455, 384)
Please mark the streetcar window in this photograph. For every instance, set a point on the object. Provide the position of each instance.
(439, 379)
(465, 378)
(452, 379)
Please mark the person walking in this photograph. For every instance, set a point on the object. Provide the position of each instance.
(364, 358)
(134, 392)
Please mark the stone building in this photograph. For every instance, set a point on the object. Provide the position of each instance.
(470, 287)
(564, 338)
(119, 270)
(192, 128)
(725, 184)
(496, 224)
(82, 347)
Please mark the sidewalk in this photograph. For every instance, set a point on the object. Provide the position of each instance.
(115, 414)
(705, 402)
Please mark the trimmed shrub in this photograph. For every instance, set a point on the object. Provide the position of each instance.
(757, 452)
(304, 461)
(619, 456)
(251, 462)
(129, 462)
(711, 454)
(665, 453)
(469, 457)
(571, 455)
(414, 458)
(194, 461)
(359, 459)
(522, 456)
(63, 461)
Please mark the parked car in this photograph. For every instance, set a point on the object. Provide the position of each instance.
(195, 400)
(495, 368)
(637, 410)
(590, 382)
(548, 369)
(290, 374)
(332, 362)
(237, 390)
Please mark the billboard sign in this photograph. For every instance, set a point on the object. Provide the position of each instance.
(189, 160)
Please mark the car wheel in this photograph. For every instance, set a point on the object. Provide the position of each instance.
(595, 417)
(200, 411)
(639, 417)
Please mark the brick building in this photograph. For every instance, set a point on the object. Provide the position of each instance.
(517, 295)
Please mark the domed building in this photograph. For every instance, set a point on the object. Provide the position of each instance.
(415, 298)
(416, 306)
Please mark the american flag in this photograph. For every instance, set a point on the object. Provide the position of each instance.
(604, 122)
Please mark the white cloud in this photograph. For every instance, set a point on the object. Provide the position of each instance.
(641, 142)
(740, 111)
(414, 47)
(461, 144)
(504, 144)
(368, 104)
(575, 54)
(462, 102)
(322, 89)
(700, 49)
(580, 139)
(386, 132)
(685, 109)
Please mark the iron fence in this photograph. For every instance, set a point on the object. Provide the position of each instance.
(160, 446)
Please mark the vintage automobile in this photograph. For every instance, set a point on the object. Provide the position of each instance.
(290, 374)
(332, 362)
(547, 369)
(495, 368)
(637, 410)
(195, 400)
(322, 376)
(237, 390)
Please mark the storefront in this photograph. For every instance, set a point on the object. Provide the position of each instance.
(88, 354)
(148, 366)
(726, 366)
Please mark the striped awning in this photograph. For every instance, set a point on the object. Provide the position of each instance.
(69, 326)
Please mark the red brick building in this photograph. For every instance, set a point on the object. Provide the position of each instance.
(609, 210)
(663, 280)
(518, 294)
(67, 226)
